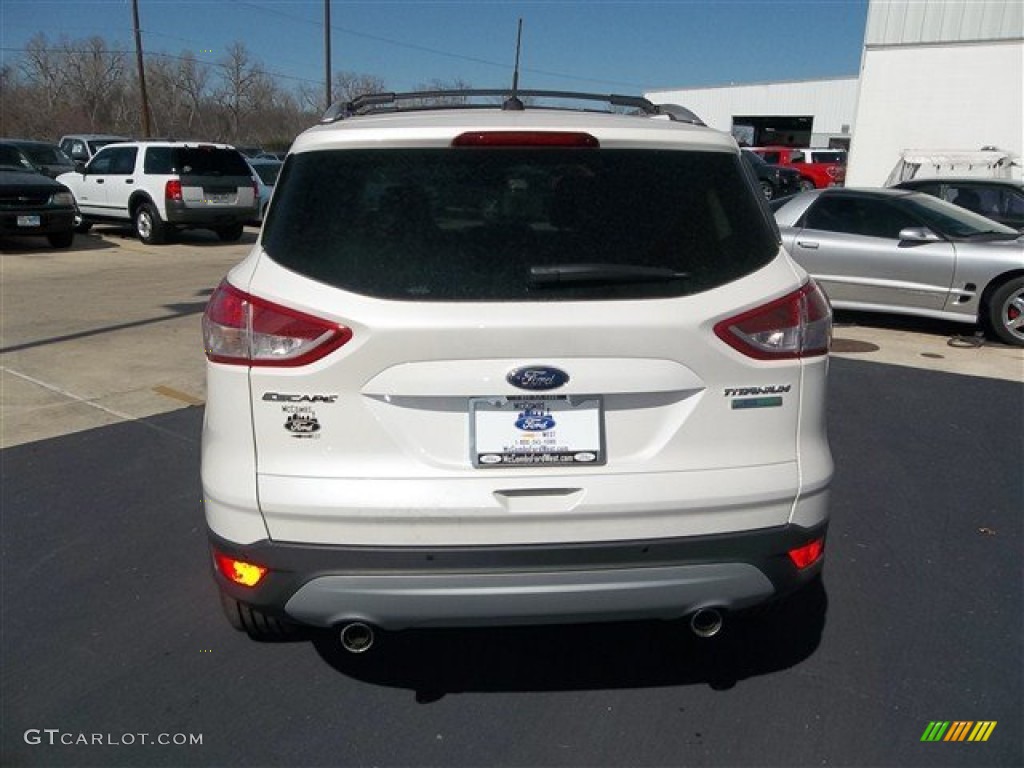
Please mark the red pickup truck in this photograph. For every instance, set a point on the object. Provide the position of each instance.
(818, 167)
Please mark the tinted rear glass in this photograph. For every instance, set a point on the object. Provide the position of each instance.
(196, 161)
(468, 224)
(828, 157)
(97, 144)
(10, 156)
(45, 154)
(267, 172)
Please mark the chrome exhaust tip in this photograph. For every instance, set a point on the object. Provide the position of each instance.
(707, 622)
(357, 637)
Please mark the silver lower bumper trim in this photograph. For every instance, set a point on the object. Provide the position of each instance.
(403, 601)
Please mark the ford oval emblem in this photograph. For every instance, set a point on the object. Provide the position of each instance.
(535, 420)
(537, 377)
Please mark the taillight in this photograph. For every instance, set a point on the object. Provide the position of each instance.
(562, 139)
(256, 191)
(245, 330)
(239, 571)
(797, 325)
(808, 554)
(172, 190)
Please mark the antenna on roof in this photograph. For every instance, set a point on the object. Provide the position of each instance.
(513, 102)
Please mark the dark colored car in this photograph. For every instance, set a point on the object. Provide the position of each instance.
(774, 180)
(1001, 200)
(817, 168)
(33, 204)
(41, 156)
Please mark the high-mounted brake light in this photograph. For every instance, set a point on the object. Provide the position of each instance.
(239, 571)
(172, 190)
(795, 326)
(241, 329)
(563, 139)
(808, 554)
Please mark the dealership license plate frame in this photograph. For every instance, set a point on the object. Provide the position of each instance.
(576, 438)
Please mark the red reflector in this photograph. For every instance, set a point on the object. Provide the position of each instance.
(808, 554)
(172, 190)
(564, 139)
(239, 571)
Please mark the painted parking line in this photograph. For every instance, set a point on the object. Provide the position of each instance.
(65, 393)
(178, 395)
(144, 421)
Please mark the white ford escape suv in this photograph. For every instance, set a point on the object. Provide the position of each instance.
(507, 365)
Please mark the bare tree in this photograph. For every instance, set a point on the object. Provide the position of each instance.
(44, 71)
(309, 99)
(243, 84)
(93, 74)
(347, 85)
(458, 84)
(76, 85)
(12, 94)
(164, 99)
(193, 84)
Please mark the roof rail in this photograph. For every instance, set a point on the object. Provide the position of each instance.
(679, 113)
(370, 103)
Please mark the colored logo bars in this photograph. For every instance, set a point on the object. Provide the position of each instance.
(959, 730)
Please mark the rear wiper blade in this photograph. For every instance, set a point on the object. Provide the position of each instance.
(563, 274)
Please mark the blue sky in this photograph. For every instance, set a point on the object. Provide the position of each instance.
(614, 46)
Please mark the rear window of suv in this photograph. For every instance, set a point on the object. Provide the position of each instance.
(480, 224)
(196, 161)
(828, 157)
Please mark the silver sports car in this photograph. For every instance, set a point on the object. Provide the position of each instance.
(888, 250)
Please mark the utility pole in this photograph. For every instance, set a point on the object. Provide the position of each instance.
(327, 52)
(142, 70)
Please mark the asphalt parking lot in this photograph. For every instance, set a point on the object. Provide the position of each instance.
(110, 624)
(105, 331)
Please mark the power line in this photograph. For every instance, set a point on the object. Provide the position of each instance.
(433, 51)
(387, 41)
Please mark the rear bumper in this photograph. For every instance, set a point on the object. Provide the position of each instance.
(211, 217)
(400, 588)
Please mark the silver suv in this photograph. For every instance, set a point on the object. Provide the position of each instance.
(162, 186)
(495, 364)
(80, 147)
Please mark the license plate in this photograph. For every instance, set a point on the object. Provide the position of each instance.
(536, 432)
(218, 199)
(29, 221)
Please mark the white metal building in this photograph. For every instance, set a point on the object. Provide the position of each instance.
(935, 75)
(809, 113)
